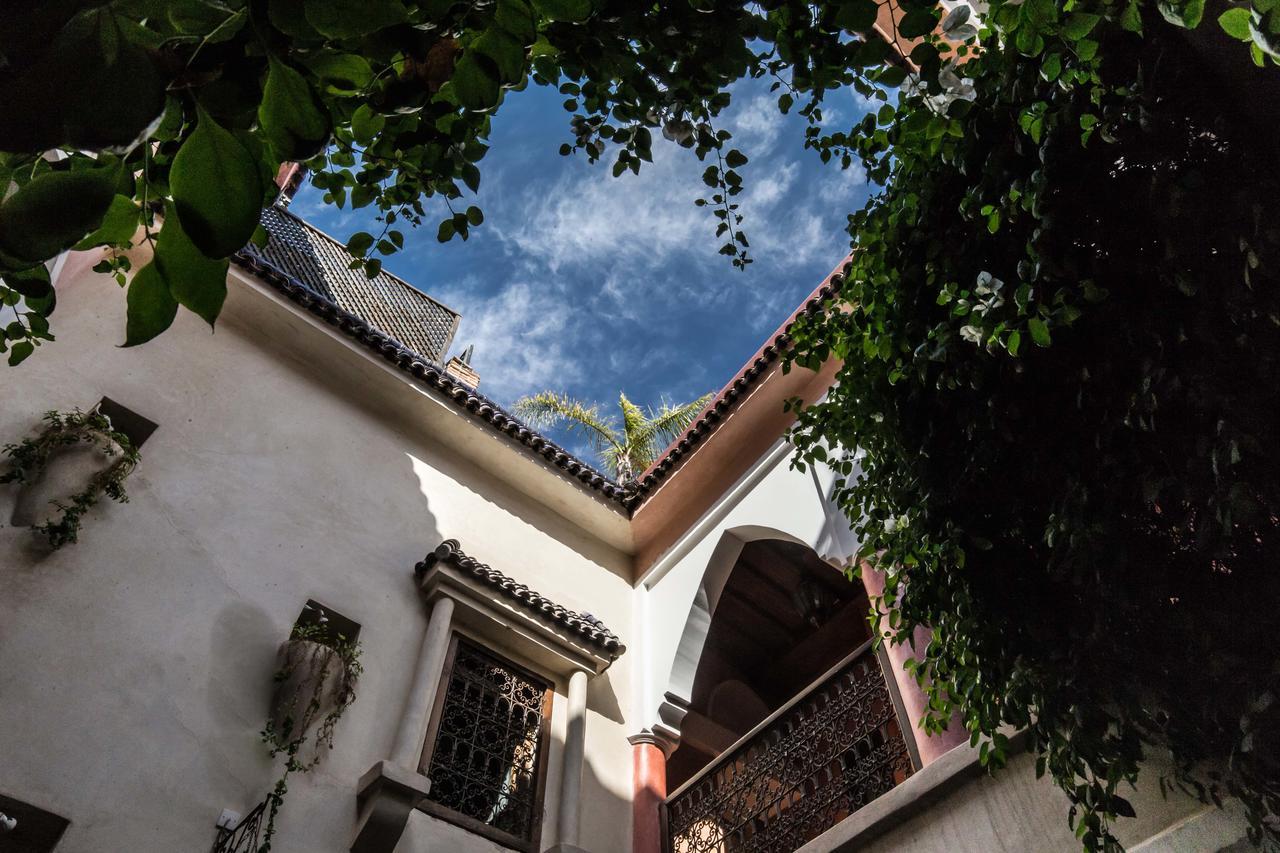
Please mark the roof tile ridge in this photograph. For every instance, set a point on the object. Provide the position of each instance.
(463, 396)
(583, 624)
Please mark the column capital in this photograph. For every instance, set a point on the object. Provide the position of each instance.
(661, 740)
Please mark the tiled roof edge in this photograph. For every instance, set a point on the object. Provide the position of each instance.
(733, 393)
(462, 396)
(284, 209)
(585, 626)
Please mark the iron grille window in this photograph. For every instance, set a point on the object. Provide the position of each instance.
(485, 751)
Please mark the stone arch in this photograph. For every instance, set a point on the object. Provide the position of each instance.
(679, 683)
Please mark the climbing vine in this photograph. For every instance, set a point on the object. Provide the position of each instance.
(1057, 413)
(29, 459)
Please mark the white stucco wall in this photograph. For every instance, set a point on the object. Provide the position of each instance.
(137, 664)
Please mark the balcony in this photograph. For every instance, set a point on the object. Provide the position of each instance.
(812, 763)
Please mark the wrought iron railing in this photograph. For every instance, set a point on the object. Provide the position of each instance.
(245, 837)
(817, 760)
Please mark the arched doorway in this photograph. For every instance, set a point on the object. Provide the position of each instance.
(783, 619)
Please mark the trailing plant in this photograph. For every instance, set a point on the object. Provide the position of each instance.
(298, 712)
(29, 459)
(1057, 415)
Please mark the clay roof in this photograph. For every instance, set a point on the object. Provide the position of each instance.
(285, 261)
(429, 372)
(584, 625)
(386, 302)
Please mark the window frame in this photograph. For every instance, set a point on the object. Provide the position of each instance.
(466, 822)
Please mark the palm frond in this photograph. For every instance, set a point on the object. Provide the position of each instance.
(548, 409)
(665, 425)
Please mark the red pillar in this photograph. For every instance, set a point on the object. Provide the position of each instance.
(913, 698)
(649, 784)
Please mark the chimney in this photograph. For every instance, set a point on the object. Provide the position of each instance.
(289, 179)
(459, 367)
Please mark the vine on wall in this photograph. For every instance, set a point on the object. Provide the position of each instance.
(318, 670)
(29, 459)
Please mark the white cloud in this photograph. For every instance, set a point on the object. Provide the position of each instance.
(521, 336)
(840, 185)
(590, 217)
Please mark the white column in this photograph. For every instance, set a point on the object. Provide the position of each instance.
(574, 745)
(426, 681)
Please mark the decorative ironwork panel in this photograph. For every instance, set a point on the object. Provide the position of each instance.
(245, 837)
(484, 764)
(819, 761)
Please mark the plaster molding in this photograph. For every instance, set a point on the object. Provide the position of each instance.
(501, 622)
(661, 740)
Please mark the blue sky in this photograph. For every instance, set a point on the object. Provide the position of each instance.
(588, 284)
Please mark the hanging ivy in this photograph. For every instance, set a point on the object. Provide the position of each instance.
(29, 459)
(313, 657)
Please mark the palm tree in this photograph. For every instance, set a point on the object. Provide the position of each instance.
(627, 449)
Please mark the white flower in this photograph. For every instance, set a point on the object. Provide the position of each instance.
(972, 334)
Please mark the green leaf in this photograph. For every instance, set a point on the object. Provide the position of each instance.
(516, 18)
(1131, 18)
(342, 73)
(445, 234)
(359, 243)
(919, 22)
(1182, 13)
(150, 306)
(474, 215)
(1013, 342)
(1039, 332)
(571, 11)
(857, 16)
(19, 352)
(31, 283)
(1235, 23)
(291, 118)
(1079, 25)
(367, 124)
(118, 225)
(198, 283)
(892, 75)
(290, 18)
(54, 212)
(217, 189)
(735, 159)
(506, 52)
(474, 82)
(341, 19)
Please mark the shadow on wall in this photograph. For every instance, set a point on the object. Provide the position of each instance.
(142, 657)
(382, 597)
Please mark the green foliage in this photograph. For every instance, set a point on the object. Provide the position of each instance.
(127, 115)
(1057, 411)
(629, 447)
(313, 648)
(1059, 324)
(29, 459)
